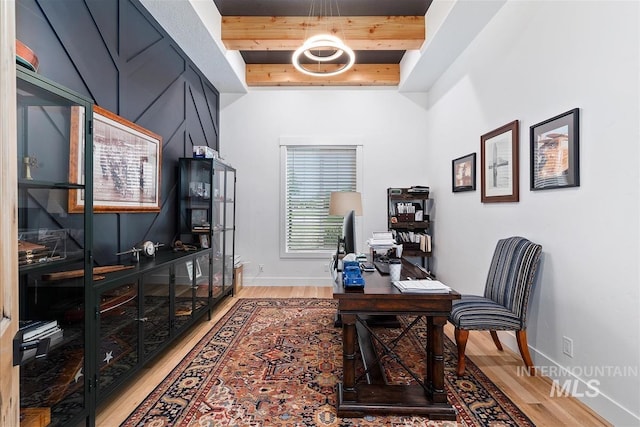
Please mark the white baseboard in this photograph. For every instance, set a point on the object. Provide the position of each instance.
(585, 390)
(288, 281)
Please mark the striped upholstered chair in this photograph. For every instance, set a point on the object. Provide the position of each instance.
(504, 304)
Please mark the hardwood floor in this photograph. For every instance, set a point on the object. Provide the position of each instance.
(531, 394)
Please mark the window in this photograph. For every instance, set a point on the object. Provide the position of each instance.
(310, 173)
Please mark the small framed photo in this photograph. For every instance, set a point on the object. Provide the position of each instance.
(190, 266)
(499, 167)
(554, 152)
(204, 241)
(198, 270)
(463, 173)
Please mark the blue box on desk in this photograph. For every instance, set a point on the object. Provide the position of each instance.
(351, 276)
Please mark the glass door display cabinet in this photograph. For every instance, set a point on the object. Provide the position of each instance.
(142, 309)
(118, 318)
(223, 238)
(55, 267)
(191, 289)
(206, 220)
(194, 219)
(156, 309)
(184, 276)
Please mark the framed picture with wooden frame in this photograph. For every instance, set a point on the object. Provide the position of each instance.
(463, 173)
(126, 165)
(554, 152)
(499, 164)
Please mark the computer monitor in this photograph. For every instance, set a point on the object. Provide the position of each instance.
(349, 232)
(347, 241)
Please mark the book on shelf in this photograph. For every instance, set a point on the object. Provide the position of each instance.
(421, 286)
(425, 242)
(38, 337)
(33, 329)
(422, 239)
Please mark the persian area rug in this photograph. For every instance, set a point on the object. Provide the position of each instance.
(277, 362)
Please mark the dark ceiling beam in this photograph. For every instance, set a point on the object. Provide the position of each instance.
(288, 32)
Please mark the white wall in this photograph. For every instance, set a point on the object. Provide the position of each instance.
(533, 61)
(391, 127)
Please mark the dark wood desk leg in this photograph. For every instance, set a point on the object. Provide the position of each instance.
(349, 357)
(435, 358)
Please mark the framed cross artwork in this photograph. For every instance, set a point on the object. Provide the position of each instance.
(499, 170)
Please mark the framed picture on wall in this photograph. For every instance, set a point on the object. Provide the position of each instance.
(499, 164)
(463, 173)
(126, 165)
(554, 152)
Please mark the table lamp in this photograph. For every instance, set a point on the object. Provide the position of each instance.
(343, 202)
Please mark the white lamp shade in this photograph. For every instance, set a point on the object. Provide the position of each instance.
(343, 202)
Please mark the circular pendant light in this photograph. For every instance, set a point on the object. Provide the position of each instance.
(323, 43)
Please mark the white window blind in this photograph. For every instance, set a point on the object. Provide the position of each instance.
(312, 173)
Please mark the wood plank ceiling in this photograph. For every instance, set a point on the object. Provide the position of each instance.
(266, 32)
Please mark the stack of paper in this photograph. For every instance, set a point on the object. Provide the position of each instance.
(381, 240)
(421, 286)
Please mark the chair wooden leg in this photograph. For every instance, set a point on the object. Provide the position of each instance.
(461, 336)
(496, 340)
(521, 337)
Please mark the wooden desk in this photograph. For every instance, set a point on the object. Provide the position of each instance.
(380, 297)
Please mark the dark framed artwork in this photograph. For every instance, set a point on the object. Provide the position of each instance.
(126, 165)
(463, 173)
(499, 167)
(555, 152)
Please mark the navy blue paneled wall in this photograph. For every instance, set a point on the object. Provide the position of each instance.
(113, 52)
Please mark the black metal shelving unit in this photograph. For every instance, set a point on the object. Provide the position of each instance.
(54, 164)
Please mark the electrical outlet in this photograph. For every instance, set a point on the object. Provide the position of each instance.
(567, 346)
(260, 268)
